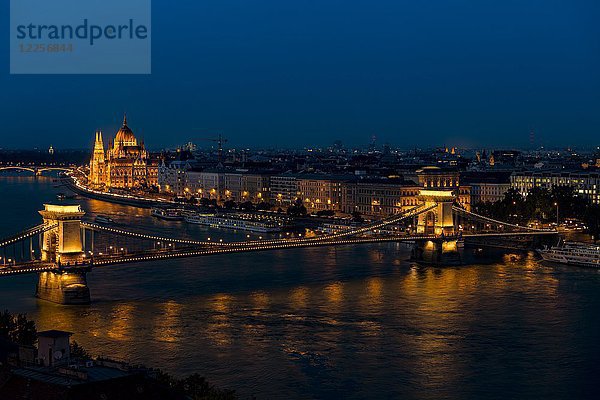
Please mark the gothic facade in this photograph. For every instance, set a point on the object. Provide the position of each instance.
(124, 165)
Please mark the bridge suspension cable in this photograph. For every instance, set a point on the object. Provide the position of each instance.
(494, 221)
(146, 236)
(36, 230)
(413, 212)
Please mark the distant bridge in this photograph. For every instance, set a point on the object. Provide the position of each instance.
(34, 169)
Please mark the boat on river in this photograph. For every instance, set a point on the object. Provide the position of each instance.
(169, 214)
(234, 222)
(573, 253)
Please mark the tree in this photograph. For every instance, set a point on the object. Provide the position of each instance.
(325, 213)
(357, 216)
(79, 352)
(246, 206)
(195, 387)
(263, 206)
(297, 209)
(229, 204)
(204, 202)
(591, 218)
(17, 328)
(567, 203)
(538, 204)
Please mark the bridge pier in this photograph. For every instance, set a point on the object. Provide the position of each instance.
(63, 287)
(437, 252)
(63, 246)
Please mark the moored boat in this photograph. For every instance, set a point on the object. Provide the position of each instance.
(233, 222)
(573, 253)
(169, 214)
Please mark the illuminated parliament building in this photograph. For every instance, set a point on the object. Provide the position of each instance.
(124, 165)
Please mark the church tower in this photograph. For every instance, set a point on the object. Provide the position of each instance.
(96, 177)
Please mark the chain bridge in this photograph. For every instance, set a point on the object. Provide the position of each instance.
(64, 247)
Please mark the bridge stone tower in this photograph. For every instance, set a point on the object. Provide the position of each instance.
(440, 188)
(63, 245)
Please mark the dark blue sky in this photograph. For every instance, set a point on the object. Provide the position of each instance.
(306, 72)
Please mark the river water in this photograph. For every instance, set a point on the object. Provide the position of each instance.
(327, 323)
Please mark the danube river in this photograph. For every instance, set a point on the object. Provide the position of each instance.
(327, 323)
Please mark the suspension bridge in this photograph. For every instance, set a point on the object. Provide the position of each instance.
(64, 247)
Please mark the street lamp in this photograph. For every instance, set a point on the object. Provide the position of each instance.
(556, 204)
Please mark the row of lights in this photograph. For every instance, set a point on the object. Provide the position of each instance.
(248, 248)
(141, 235)
(29, 233)
(500, 223)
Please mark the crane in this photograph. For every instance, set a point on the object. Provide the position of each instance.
(219, 140)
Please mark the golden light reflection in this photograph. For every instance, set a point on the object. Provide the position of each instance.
(372, 306)
(299, 297)
(54, 316)
(168, 322)
(219, 324)
(257, 328)
(334, 293)
(436, 300)
(260, 300)
(120, 327)
(374, 287)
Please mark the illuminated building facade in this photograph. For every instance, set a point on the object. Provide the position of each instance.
(486, 187)
(372, 197)
(125, 165)
(586, 184)
(284, 189)
(380, 197)
(320, 193)
(181, 179)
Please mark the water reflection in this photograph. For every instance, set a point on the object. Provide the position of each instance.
(299, 298)
(168, 323)
(120, 326)
(219, 325)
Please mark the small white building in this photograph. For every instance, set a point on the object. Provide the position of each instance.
(54, 347)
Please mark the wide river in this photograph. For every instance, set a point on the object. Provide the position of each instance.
(327, 323)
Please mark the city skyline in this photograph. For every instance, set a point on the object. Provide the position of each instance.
(458, 73)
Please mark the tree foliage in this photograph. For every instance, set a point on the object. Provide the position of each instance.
(17, 328)
(297, 209)
(591, 219)
(77, 351)
(229, 204)
(195, 387)
(540, 204)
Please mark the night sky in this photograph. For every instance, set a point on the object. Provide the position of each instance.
(295, 73)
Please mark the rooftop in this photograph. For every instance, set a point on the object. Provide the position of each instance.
(53, 333)
(55, 377)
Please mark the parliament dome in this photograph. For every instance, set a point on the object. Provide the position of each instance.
(125, 135)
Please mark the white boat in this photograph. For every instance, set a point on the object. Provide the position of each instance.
(169, 214)
(573, 253)
(231, 222)
(333, 228)
(196, 218)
